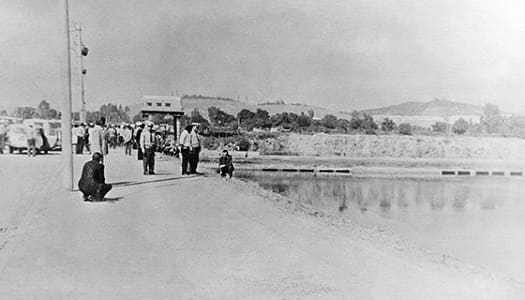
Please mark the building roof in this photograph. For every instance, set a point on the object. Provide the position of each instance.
(161, 104)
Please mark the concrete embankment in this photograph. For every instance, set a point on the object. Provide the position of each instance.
(372, 166)
(411, 147)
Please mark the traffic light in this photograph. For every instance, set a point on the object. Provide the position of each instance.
(84, 50)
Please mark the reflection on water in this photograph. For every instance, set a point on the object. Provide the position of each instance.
(386, 194)
(478, 220)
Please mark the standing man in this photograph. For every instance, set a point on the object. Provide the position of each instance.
(126, 139)
(87, 140)
(92, 182)
(185, 146)
(86, 136)
(2, 136)
(31, 141)
(97, 140)
(195, 143)
(78, 133)
(140, 128)
(148, 143)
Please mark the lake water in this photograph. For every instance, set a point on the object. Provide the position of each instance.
(480, 221)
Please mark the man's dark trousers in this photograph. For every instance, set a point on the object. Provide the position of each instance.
(227, 170)
(185, 160)
(194, 159)
(80, 145)
(2, 143)
(149, 161)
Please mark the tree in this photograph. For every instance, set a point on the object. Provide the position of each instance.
(304, 121)
(405, 129)
(246, 119)
(368, 124)
(276, 120)
(43, 110)
(344, 124)
(220, 118)
(262, 119)
(355, 121)
(388, 125)
(26, 112)
(329, 121)
(460, 126)
(440, 127)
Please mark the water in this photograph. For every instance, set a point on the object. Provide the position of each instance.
(480, 221)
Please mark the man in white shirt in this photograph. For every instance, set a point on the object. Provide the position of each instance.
(195, 143)
(126, 139)
(185, 147)
(148, 143)
(78, 134)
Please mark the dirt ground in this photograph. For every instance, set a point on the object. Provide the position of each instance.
(173, 237)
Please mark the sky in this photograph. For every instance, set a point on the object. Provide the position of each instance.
(342, 55)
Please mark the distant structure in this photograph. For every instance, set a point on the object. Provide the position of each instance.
(165, 105)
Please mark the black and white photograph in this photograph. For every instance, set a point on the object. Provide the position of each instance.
(262, 149)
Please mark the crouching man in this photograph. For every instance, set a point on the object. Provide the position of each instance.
(92, 182)
(225, 164)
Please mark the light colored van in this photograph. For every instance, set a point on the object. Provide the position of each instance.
(52, 131)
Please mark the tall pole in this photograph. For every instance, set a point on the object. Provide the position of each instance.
(82, 90)
(67, 151)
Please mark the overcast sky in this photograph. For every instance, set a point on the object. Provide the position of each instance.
(342, 55)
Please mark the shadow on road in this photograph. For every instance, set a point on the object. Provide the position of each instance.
(110, 199)
(133, 183)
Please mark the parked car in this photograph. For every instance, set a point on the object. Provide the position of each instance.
(17, 135)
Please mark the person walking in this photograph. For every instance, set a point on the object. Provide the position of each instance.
(148, 143)
(31, 141)
(226, 164)
(97, 140)
(195, 143)
(126, 139)
(140, 154)
(2, 136)
(185, 145)
(92, 182)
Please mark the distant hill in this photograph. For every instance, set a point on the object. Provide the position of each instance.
(232, 107)
(435, 107)
(438, 108)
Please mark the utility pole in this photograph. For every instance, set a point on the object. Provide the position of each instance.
(67, 151)
(82, 51)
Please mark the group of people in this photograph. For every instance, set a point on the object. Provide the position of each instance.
(112, 135)
(92, 183)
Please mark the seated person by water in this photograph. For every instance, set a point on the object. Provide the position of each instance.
(226, 164)
(92, 182)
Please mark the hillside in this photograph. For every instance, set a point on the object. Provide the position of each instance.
(232, 107)
(435, 107)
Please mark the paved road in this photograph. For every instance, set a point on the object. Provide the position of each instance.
(173, 237)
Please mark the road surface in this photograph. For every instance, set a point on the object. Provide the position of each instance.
(172, 237)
